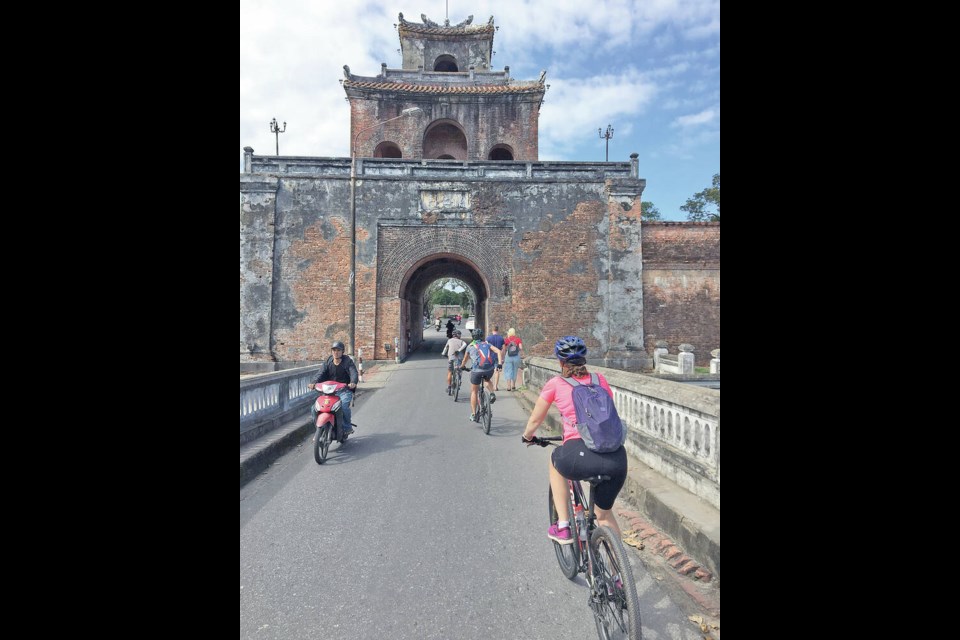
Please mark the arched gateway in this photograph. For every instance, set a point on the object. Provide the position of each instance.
(337, 250)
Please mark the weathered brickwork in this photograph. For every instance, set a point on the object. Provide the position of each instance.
(548, 257)
(681, 286)
(256, 266)
(444, 127)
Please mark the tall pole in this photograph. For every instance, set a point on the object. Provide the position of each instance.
(353, 221)
(276, 130)
(607, 135)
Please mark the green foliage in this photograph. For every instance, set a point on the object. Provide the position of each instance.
(441, 292)
(705, 205)
(649, 211)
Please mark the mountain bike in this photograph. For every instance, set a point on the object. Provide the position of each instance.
(455, 382)
(604, 562)
(483, 408)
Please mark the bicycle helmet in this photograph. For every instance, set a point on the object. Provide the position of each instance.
(456, 333)
(337, 345)
(571, 349)
(477, 334)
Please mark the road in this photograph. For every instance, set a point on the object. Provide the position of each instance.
(419, 526)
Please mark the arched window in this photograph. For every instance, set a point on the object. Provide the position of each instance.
(501, 152)
(446, 156)
(445, 63)
(445, 139)
(387, 150)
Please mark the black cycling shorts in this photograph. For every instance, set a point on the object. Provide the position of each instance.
(575, 461)
(476, 375)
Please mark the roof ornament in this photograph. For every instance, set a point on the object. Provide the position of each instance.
(466, 22)
(543, 76)
(427, 21)
(490, 21)
(346, 72)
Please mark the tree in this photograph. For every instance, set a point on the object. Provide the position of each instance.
(649, 211)
(698, 207)
(443, 292)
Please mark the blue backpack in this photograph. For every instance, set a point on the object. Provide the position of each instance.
(485, 359)
(597, 419)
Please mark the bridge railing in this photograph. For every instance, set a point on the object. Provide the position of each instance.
(673, 428)
(267, 401)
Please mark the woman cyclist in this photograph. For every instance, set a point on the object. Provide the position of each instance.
(573, 460)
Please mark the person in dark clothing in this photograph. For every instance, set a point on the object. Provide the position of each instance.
(449, 328)
(496, 340)
(342, 369)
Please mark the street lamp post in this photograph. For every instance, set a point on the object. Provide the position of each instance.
(353, 221)
(607, 135)
(276, 130)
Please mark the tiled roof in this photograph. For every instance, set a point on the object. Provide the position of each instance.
(413, 27)
(452, 88)
(429, 27)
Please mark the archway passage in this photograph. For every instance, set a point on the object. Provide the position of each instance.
(445, 139)
(418, 279)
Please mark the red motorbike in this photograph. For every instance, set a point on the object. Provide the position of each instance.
(329, 419)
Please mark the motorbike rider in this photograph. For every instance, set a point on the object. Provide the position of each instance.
(449, 328)
(438, 323)
(340, 368)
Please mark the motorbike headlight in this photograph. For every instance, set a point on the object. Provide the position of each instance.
(328, 388)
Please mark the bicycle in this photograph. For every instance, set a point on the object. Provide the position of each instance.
(604, 562)
(485, 412)
(455, 382)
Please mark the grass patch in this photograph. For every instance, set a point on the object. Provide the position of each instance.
(701, 369)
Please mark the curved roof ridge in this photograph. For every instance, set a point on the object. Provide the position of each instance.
(428, 26)
(526, 87)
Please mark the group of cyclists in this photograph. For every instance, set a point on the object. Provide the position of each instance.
(572, 460)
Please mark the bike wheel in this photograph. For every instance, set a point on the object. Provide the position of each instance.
(321, 444)
(487, 413)
(568, 555)
(616, 605)
(456, 386)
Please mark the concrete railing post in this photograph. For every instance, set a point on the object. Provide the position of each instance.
(715, 362)
(247, 159)
(685, 359)
(661, 350)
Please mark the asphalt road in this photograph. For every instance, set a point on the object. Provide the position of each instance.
(419, 526)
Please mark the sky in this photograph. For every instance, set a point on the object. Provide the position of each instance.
(650, 69)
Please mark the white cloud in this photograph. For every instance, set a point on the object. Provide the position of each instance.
(704, 117)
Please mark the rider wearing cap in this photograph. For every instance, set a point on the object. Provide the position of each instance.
(340, 368)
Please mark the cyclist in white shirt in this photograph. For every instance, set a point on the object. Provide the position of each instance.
(452, 350)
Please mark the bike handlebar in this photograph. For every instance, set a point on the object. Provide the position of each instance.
(542, 441)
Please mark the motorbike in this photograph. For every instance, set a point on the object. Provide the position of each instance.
(438, 324)
(329, 419)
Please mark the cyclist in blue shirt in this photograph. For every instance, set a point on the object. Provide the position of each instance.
(486, 358)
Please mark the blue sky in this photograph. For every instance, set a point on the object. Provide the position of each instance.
(651, 69)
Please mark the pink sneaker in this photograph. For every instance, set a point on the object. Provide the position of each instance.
(560, 536)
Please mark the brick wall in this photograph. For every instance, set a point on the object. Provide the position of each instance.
(548, 257)
(512, 120)
(681, 286)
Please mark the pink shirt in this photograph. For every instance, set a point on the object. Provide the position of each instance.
(560, 393)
